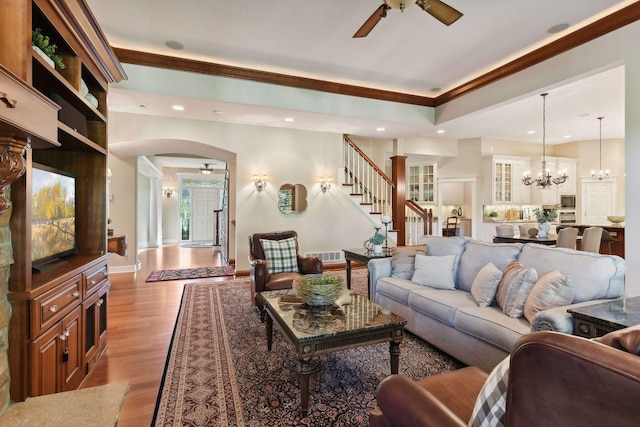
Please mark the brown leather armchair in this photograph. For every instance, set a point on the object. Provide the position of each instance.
(261, 280)
(554, 380)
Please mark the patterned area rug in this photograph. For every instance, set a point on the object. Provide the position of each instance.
(190, 273)
(219, 372)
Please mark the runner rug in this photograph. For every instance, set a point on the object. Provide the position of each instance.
(190, 273)
(219, 372)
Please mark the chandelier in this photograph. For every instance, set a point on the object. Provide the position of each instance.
(544, 179)
(600, 174)
(206, 170)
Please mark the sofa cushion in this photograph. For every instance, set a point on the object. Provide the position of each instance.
(491, 325)
(440, 304)
(485, 285)
(396, 289)
(477, 254)
(514, 288)
(491, 404)
(281, 255)
(438, 246)
(594, 276)
(434, 271)
(551, 290)
(403, 260)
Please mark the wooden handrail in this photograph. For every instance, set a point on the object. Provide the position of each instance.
(425, 214)
(369, 161)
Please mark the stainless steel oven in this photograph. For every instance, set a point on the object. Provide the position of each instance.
(567, 201)
(567, 217)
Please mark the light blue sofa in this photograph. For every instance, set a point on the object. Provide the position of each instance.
(483, 336)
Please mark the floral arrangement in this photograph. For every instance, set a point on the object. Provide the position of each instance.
(377, 238)
(548, 216)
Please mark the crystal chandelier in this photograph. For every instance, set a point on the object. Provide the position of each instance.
(544, 179)
(600, 174)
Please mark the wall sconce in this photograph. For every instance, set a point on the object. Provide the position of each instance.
(260, 183)
(325, 183)
(168, 191)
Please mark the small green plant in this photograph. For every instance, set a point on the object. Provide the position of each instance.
(377, 238)
(325, 280)
(543, 216)
(493, 214)
(44, 44)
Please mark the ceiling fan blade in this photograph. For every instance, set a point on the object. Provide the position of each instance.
(373, 20)
(439, 10)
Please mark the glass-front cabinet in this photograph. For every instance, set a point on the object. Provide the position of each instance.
(503, 181)
(421, 178)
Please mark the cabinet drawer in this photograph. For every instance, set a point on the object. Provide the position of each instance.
(93, 279)
(27, 109)
(51, 306)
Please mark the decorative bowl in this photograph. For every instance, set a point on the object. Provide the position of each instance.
(318, 290)
(615, 219)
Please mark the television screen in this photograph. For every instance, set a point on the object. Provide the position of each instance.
(53, 214)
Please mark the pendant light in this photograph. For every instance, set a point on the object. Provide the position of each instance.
(206, 170)
(600, 174)
(544, 179)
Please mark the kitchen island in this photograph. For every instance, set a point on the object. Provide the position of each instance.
(616, 232)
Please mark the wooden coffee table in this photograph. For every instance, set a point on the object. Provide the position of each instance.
(320, 330)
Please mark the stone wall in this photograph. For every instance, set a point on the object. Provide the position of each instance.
(6, 259)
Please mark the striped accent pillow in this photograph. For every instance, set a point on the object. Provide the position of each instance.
(281, 255)
(491, 404)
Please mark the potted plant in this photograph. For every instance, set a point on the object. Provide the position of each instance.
(544, 217)
(492, 215)
(377, 240)
(43, 46)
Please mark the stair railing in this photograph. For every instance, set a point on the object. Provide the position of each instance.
(366, 179)
(419, 222)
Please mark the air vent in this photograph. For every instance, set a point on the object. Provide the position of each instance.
(328, 257)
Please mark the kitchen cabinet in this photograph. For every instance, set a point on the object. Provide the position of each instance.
(506, 179)
(570, 167)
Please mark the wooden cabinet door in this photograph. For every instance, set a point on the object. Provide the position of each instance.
(45, 358)
(72, 370)
(94, 313)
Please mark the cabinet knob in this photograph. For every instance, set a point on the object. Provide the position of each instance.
(75, 294)
(93, 281)
(100, 302)
(10, 103)
(53, 308)
(64, 335)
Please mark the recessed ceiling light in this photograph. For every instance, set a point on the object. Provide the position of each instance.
(380, 129)
(558, 28)
(531, 132)
(218, 112)
(436, 89)
(289, 119)
(143, 105)
(174, 45)
(440, 131)
(567, 136)
(177, 107)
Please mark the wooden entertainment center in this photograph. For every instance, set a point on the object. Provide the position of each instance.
(58, 328)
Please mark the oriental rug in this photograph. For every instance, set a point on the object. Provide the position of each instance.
(219, 372)
(190, 273)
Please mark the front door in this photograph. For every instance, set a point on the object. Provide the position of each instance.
(203, 203)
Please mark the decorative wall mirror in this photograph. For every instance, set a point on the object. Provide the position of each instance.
(292, 198)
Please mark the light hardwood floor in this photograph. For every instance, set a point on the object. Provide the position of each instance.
(140, 320)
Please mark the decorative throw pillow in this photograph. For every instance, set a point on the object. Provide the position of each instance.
(403, 260)
(281, 255)
(485, 285)
(551, 290)
(491, 403)
(434, 271)
(514, 288)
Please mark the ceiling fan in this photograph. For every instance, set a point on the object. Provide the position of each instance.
(439, 10)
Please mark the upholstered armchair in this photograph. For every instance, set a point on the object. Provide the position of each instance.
(554, 379)
(266, 278)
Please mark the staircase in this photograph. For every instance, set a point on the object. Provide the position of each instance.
(371, 189)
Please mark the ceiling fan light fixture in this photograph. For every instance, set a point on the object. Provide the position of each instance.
(399, 4)
(206, 170)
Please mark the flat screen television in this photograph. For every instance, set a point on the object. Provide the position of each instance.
(53, 216)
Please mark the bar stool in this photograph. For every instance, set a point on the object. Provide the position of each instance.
(608, 239)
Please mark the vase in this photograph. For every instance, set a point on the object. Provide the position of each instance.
(543, 230)
(377, 249)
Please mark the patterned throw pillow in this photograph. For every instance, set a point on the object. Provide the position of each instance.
(281, 255)
(491, 403)
(403, 260)
(514, 288)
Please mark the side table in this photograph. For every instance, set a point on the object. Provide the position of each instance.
(596, 320)
(362, 256)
